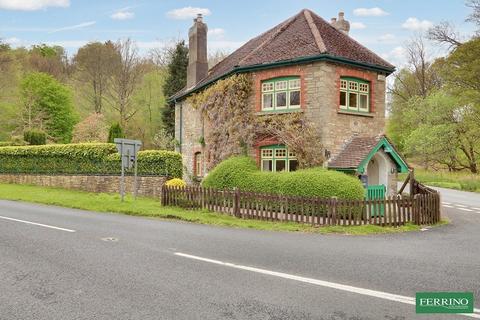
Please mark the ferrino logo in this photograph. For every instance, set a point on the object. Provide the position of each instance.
(444, 302)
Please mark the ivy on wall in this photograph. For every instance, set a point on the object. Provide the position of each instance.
(231, 126)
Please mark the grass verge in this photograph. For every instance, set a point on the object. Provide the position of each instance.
(148, 207)
(451, 180)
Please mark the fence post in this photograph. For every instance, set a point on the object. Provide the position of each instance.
(236, 203)
(163, 192)
(333, 202)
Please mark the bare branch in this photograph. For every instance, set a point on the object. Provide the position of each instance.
(444, 32)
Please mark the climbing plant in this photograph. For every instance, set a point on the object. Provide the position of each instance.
(231, 126)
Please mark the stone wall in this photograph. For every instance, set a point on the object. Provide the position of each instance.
(147, 186)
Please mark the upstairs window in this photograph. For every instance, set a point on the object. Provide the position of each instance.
(281, 94)
(354, 95)
(278, 158)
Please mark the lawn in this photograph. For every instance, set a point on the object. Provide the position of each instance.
(453, 180)
(148, 207)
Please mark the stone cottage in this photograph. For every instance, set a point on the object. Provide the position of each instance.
(304, 64)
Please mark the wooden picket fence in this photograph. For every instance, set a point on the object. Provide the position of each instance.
(420, 208)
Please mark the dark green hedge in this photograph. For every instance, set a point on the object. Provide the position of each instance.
(242, 172)
(85, 158)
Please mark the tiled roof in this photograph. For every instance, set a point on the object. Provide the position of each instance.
(354, 152)
(303, 35)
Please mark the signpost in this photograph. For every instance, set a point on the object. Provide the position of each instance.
(128, 150)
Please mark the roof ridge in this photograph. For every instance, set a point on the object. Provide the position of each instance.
(275, 34)
(315, 32)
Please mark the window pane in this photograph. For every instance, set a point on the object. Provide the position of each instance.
(343, 84)
(292, 154)
(280, 165)
(294, 84)
(267, 165)
(363, 87)
(281, 85)
(293, 165)
(267, 101)
(352, 85)
(280, 153)
(352, 100)
(281, 100)
(294, 98)
(267, 86)
(363, 102)
(343, 99)
(267, 153)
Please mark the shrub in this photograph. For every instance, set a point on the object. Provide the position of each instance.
(35, 137)
(85, 158)
(242, 172)
(115, 131)
(176, 182)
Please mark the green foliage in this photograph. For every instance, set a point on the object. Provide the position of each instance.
(86, 158)
(242, 172)
(176, 80)
(115, 131)
(48, 105)
(35, 137)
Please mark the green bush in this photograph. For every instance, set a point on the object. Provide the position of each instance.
(242, 172)
(115, 131)
(85, 158)
(35, 137)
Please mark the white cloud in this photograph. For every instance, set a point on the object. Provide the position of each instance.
(187, 13)
(370, 12)
(13, 41)
(397, 56)
(388, 37)
(32, 5)
(75, 27)
(216, 32)
(357, 25)
(123, 14)
(415, 24)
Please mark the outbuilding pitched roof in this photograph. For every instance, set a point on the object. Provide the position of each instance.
(359, 150)
(301, 36)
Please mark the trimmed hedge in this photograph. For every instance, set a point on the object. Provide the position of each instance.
(242, 172)
(85, 158)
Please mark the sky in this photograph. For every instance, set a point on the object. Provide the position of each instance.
(382, 26)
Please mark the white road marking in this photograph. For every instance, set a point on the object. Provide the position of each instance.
(475, 208)
(37, 224)
(333, 285)
(460, 205)
(447, 206)
(465, 209)
(445, 202)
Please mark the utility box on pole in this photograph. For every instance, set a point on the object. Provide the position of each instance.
(128, 150)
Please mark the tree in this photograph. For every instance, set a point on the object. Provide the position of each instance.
(176, 81)
(96, 62)
(125, 80)
(444, 32)
(47, 105)
(115, 131)
(91, 129)
(49, 59)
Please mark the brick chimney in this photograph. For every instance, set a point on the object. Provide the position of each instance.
(197, 52)
(340, 23)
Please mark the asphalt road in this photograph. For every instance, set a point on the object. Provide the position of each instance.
(171, 270)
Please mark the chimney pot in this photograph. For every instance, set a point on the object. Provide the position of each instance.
(333, 20)
(341, 24)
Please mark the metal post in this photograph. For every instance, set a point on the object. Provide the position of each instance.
(135, 187)
(122, 180)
